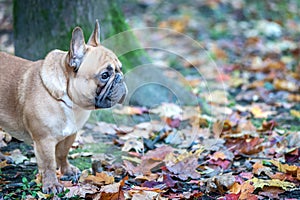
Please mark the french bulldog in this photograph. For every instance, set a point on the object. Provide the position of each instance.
(46, 102)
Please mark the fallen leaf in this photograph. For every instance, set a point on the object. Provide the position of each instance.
(235, 188)
(185, 168)
(159, 153)
(295, 113)
(271, 192)
(130, 110)
(178, 24)
(3, 164)
(105, 128)
(99, 179)
(232, 196)
(247, 190)
(144, 168)
(260, 183)
(280, 84)
(133, 143)
(81, 190)
(168, 110)
(285, 168)
(112, 192)
(218, 155)
(17, 156)
(258, 168)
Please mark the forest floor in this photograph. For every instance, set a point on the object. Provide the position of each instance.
(241, 140)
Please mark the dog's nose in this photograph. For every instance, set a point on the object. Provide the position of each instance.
(118, 78)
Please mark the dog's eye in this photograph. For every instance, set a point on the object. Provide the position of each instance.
(104, 76)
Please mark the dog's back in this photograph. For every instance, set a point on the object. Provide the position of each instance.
(11, 70)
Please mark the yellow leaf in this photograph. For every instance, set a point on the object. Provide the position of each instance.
(295, 113)
(235, 188)
(3, 164)
(260, 183)
(285, 168)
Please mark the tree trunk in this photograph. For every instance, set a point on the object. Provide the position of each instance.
(41, 26)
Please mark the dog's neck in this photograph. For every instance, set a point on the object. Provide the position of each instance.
(58, 72)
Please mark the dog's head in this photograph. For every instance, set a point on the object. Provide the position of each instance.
(95, 73)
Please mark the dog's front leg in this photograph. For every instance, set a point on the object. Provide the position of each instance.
(45, 155)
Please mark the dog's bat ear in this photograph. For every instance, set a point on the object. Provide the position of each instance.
(95, 37)
(77, 48)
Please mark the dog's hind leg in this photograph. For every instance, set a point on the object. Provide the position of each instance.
(61, 153)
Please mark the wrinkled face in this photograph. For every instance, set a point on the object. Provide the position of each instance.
(99, 81)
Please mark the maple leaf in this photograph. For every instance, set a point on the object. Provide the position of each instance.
(185, 168)
(144, 168)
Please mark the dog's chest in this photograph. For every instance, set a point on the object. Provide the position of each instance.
(75, 118)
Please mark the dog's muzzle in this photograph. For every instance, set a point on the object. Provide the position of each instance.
(114, 93)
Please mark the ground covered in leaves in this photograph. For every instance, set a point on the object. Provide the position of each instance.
(240, 141)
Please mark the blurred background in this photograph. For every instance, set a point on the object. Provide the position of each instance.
(218, 75)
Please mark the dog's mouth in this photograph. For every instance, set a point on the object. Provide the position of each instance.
(112, 93)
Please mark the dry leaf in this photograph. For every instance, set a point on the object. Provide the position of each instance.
(129, 110)
(260, 183)
(105, 128)
(3, 164)
(99, 179)
(133, 143)
(258, 168)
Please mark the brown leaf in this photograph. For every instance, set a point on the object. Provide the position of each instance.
(218, 155)
(280, 84)
(82, 190)
(99, 179)
(246, 191)
(235, 188)
(178, 24)
(251, 146)
(112, 192)
(294, 97)
(271, 192)
(258, 168)
(285, 168)
(158, 154)
(3, 164)
(186, 168)
(142, 169)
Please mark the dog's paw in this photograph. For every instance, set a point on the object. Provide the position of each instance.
(70, 173)
(54, 188)
(70, 170)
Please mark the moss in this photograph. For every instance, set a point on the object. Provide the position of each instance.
(82, 163)
(118, 25)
